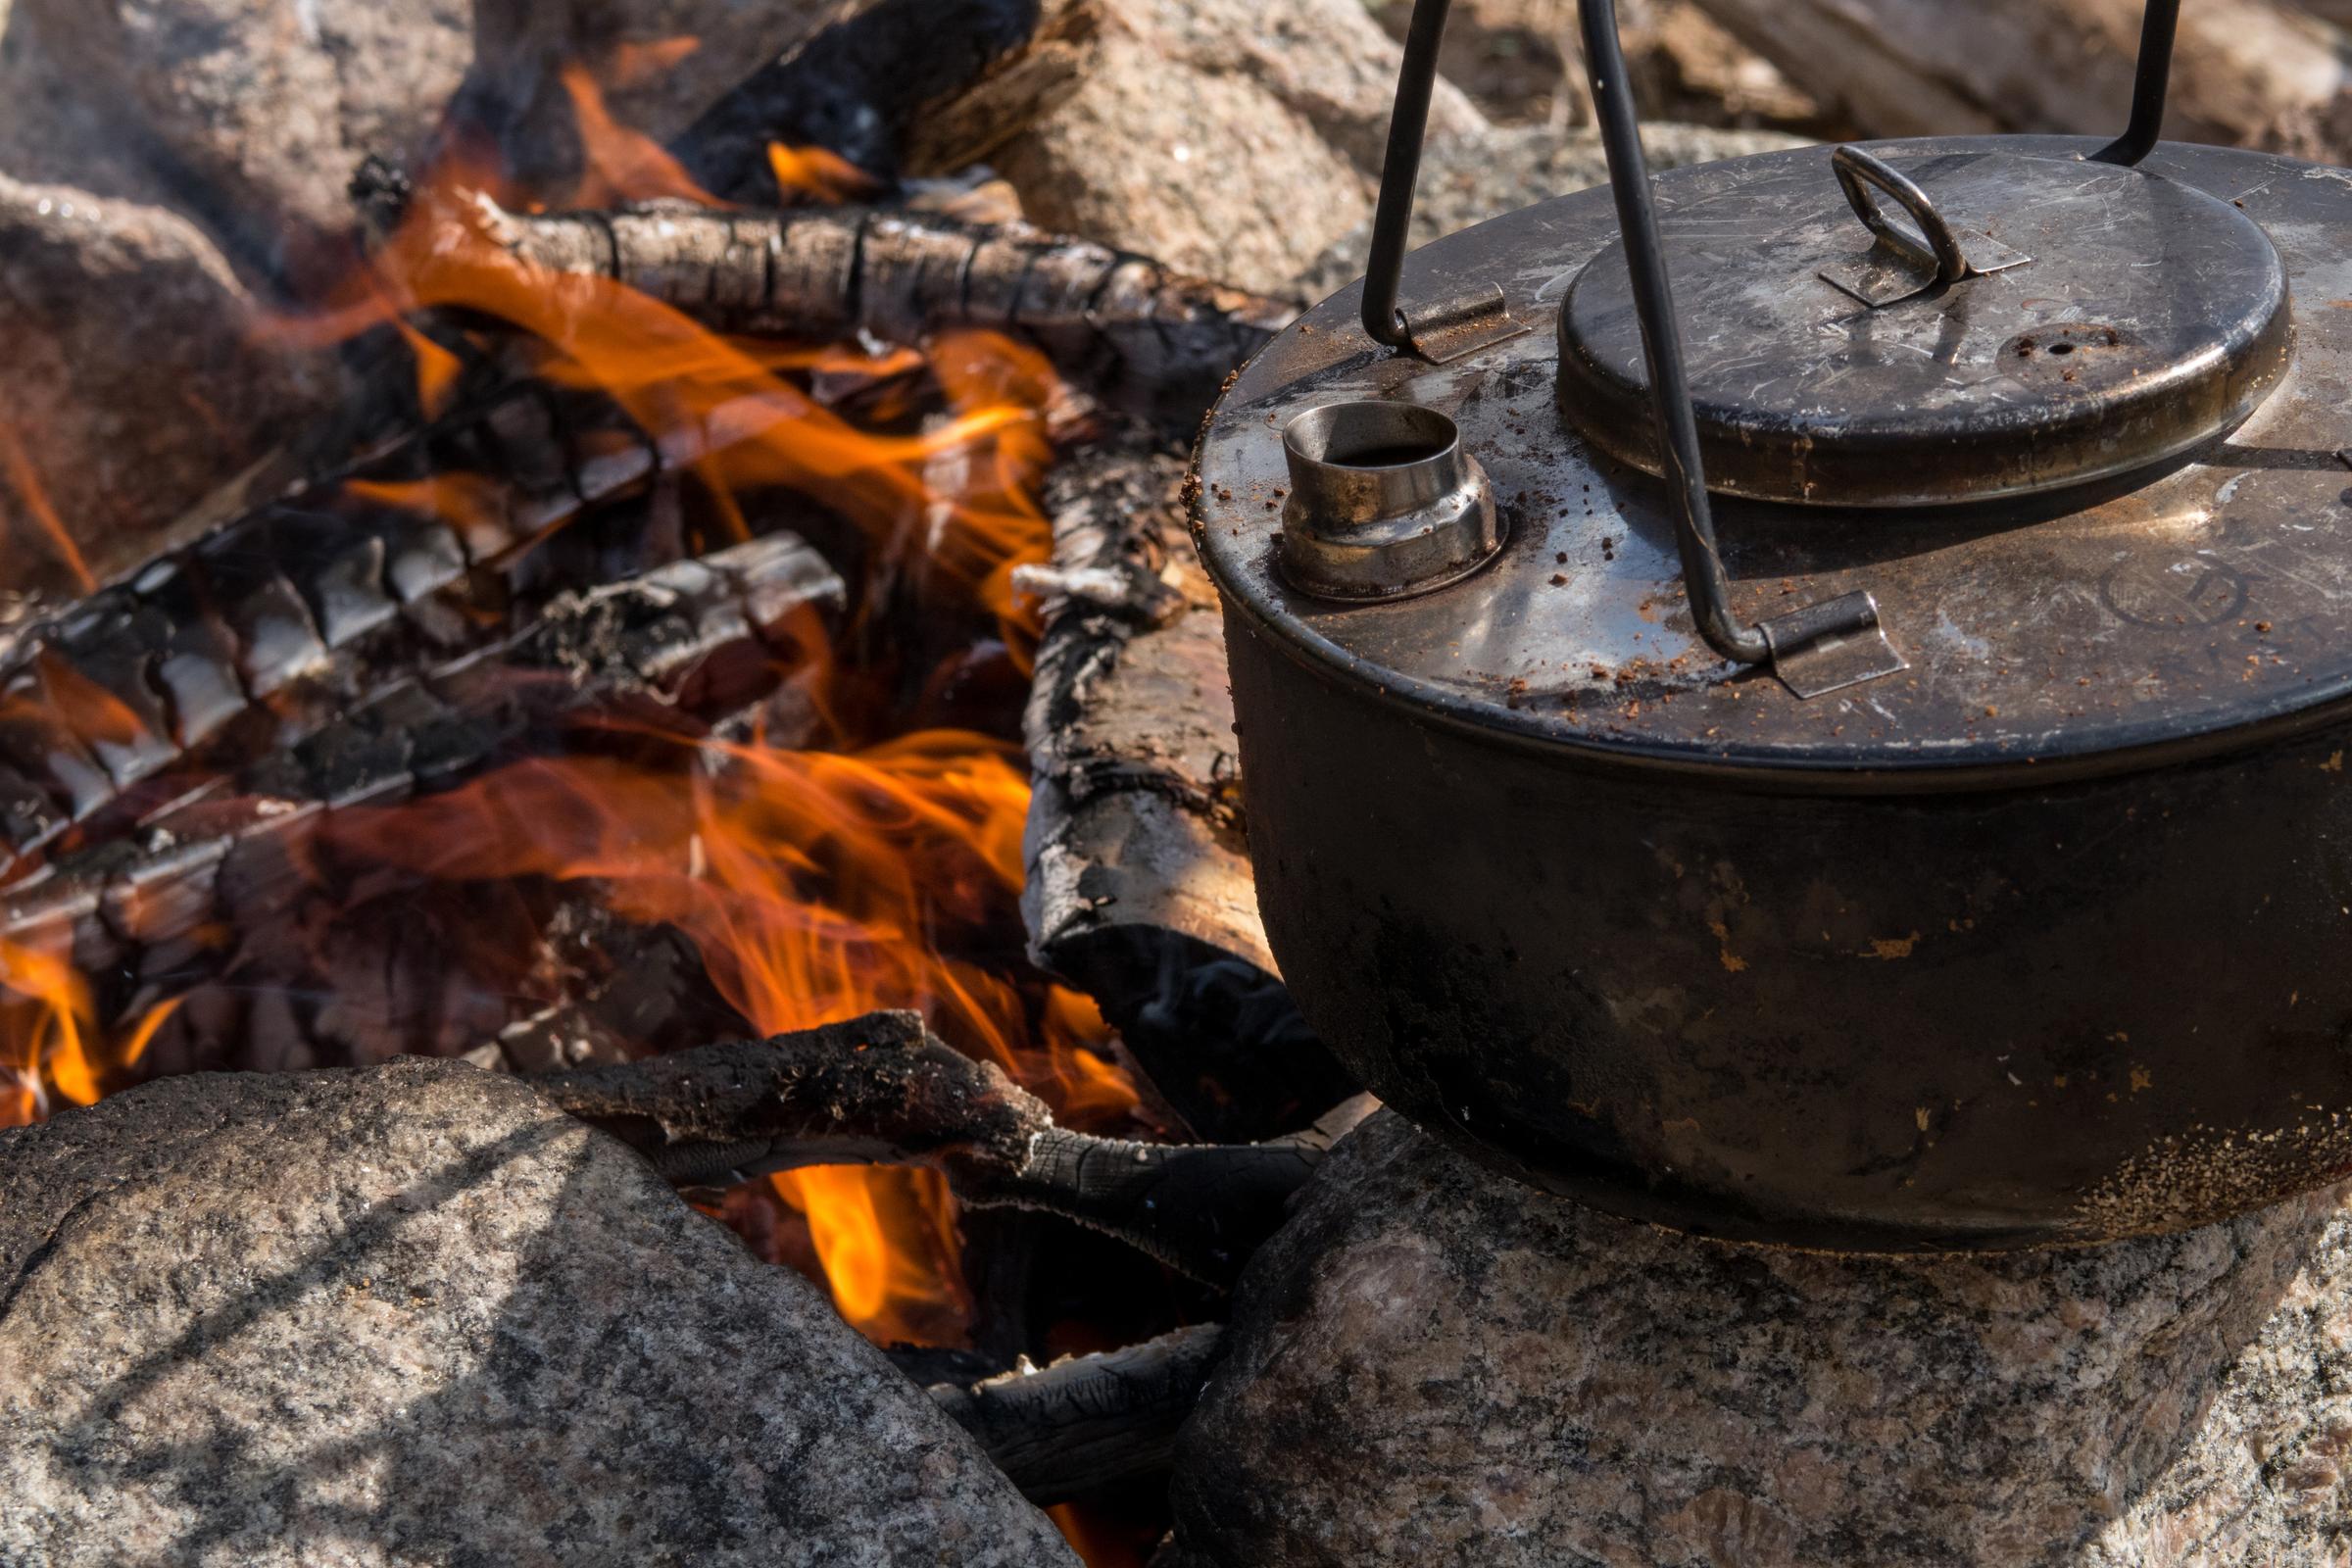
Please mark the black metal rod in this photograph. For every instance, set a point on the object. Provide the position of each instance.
(1392, 220)
(2149, 88)
(1703, 577)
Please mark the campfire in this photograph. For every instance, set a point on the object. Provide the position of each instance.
(619, 771)
(662, 687)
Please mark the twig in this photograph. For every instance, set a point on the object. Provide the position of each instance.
(1087, 1420)
(883, 1089)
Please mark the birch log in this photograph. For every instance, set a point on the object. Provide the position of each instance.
(2253, 73)
(1155, 339)
(1139, 889)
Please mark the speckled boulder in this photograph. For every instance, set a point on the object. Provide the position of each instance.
(1433, 1365)
(138, 380)
(1232, 139)
(412, 1315)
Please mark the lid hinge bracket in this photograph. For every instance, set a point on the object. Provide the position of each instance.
(1830, 646)
(1464, 324)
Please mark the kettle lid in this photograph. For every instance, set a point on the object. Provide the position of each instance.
(2022, 323)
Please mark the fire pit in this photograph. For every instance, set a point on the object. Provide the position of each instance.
(630, 910)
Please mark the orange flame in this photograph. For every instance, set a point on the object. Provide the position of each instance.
(957, 492)
(50, 1045)
(436, 371)
(620, 164)
(26, 480)
(817, 887)
(632, 65)
(817, 174)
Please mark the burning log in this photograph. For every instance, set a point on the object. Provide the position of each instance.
(2252, 73)
(1086, 1421)
(883, 1089)
(688, 640)
(1139, 890)
(270, 625)
(1151, 337)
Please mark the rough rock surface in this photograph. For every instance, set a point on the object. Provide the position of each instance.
(1231, 139)
(249, 115)
(1432, 1364)
(1468, 180)
(135, 384)
(412, 1315)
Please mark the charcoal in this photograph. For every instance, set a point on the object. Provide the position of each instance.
(238, 858)
(883, 1087)
(1151, 338)
(166, 894)
(197, 665)
(113, 644)
(29, 816)
(348, 594)
(281, 619)
(36, 743)
(1139, 886)
(277, 641)
(421, 555)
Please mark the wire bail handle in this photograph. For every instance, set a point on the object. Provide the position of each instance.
(1844, 620)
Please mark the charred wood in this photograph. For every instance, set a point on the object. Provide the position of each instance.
(1146, 338)
(267, 626)
(1139, 889)
(903, 86)
(883, 1089)
(1086, 1421)
(207, 888)
(655, 996)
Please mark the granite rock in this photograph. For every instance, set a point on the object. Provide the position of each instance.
(412, 1315)
(1432, 1365)
(1226, 137)
(249, 115)
(136, 381)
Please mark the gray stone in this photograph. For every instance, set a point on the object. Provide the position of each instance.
(1231, 139)
(1432, 1365)
(412, 1315)
(249, 115)
(135, 381)
(1468, 180)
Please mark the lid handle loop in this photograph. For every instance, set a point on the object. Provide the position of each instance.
(1941, 255)
(1900, 266)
